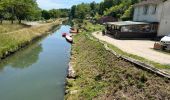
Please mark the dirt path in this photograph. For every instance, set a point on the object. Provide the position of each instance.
(141, 48)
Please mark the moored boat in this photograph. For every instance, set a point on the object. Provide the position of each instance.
(64, 34)
(69, 38)
(74, 30)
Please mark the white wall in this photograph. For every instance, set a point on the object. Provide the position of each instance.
(164, 28)
(149, 17)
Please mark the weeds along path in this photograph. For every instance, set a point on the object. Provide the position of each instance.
(103, 76)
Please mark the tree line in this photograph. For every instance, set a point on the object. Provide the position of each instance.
(27, 10)
(120, 9)
(55, 13)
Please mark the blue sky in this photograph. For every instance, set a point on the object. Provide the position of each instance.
(50, 4)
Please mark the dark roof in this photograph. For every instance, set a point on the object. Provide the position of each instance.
(145, 2)
(107, 19)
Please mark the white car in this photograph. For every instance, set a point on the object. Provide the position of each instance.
(165, 41)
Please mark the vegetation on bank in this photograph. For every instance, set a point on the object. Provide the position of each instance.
(8, 27)
(12, 41)
(101, 75)
(119, 9)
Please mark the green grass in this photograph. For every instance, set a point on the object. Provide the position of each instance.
(11, 42)
(8, 27)
(103, 76)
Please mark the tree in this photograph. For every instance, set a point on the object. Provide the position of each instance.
(23, 9)
(115, 8)
(19, 9)
(54, 13)
(94, 8)
(128, 14)
(45, 14)
(73, 11)
(8, 9)
(1, 12)
(82, 11)
(97, 16)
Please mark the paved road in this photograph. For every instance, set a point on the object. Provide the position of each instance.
(141, 48)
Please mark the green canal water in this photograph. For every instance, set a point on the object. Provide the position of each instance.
(38, 71)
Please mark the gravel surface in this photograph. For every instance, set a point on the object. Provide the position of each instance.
(141, 48)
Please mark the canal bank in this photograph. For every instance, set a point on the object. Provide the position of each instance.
(11, 42)
(37, 72)
(100, 75)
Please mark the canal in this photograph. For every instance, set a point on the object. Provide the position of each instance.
(38, 71)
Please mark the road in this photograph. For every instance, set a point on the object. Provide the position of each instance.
(142, 48)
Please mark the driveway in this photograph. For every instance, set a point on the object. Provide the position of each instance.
(142, 48)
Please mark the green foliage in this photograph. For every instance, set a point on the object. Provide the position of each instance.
(19, 9)
(123, 10)
(120, 9)
(114, 11)
(97, 16)
(128, 14)
(82, 11)
(55, 13)
(45, 14)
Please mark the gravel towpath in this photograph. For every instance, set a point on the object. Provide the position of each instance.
(141, 48)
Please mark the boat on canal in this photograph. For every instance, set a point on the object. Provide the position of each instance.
(68, 37)
(74, 30)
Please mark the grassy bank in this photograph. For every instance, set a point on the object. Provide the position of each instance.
(12, 41)
(102, 76)
(8, 27)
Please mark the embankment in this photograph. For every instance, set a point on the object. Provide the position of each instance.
(100, 75)
(13, 41)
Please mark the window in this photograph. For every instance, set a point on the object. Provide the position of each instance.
(145, 9)
(154, 9)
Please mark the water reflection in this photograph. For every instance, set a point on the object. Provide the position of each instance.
(24, 58)
(37, 72)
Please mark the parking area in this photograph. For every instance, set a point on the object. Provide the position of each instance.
(142, 48)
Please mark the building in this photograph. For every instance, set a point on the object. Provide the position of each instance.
(130, 29)
(154, 11)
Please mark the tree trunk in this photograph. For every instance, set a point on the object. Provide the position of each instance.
(1, 21)
(19, 21)
(12, 21)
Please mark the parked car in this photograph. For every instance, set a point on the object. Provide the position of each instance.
(165, 42)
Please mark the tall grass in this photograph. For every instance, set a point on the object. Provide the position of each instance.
(8, 27)
(10, 42)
